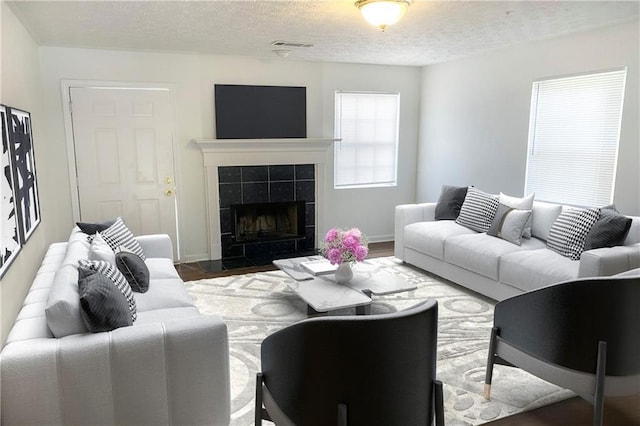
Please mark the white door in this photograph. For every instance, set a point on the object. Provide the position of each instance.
(123, 141)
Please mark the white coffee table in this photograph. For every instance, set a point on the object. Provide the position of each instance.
(323, 294)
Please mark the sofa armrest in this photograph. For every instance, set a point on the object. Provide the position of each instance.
(156, 245)
(406, 214)
(173, 372)
(608, 261)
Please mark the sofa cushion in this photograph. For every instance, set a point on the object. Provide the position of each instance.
(168, 314)
(164, 293)
(509, 224)
(568, 233)
(528, 270)
(525, 203)
(450, 201)
(610, 229)
(429, 237)
(478, 210)
(160, 267)
(119, 235)
(63, 304)
(134, 270)
(542, 218)
(103, 306)
(481, 253)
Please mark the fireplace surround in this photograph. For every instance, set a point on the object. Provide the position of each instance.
(261, 152)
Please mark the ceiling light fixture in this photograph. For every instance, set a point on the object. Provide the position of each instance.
(282, 53)
(382, 13)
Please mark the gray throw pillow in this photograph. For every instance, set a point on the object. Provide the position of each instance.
(86, 266)
(134, 270)
(103, 307)
(610, 229)
(509, 224)
(93, 227)
(450, 202)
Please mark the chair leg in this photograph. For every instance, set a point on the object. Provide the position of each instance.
(490, 361)
(258, 402)
(438, 397)
(601, 373)
(342, 414)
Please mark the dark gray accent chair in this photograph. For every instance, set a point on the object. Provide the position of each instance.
(353, 370)
(582, 335)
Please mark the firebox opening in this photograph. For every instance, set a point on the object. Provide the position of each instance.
(268, 221)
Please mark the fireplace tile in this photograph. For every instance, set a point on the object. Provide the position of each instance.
(310, 214)
(230, 193)
(255, 192)
(281, 191)
(225, 221)
(305, 172)
(229, 174)
(277, 173)
(228, 249)
(255, 174)
(305, 191)
(310, 242)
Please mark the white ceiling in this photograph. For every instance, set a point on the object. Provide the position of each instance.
(430, 32)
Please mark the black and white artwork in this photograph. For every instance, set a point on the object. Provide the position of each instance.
(24, 172)
(9, 235)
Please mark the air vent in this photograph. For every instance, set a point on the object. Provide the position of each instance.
(281, 43)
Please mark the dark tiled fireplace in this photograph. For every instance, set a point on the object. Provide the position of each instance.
(266, 212)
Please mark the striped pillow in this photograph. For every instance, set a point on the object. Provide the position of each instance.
(478, 210)
(569, 231)
(118, 235)
(85, 267)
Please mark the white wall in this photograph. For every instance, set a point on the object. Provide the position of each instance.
(20, 88)
(192, 78)
(475, 112)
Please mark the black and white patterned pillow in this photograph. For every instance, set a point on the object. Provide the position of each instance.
(478, 210)
(119, 235)
(568, 232)
(610, 229)
(103, 267)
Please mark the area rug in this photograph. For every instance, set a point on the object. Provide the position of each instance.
(255, 305)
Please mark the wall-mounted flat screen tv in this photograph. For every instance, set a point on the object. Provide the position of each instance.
(259, 112)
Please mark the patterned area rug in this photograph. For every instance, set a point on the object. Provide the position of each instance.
(255, 305)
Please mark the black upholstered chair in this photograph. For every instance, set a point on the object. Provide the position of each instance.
(582, 335)
(353, 370)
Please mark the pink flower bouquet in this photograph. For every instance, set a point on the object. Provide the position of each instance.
(344, 246)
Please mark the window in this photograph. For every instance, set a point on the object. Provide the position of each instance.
(574, 131)
(367, 123)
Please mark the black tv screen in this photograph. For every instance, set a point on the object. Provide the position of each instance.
(258, 112)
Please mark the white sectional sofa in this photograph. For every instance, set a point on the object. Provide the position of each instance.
(495, 267)
(170, 367)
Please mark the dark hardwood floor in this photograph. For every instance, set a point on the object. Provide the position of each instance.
(618, 411)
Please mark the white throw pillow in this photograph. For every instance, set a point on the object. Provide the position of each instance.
(525, 203)
(100, 250)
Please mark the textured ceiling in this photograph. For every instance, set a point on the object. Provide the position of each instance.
(431, 31)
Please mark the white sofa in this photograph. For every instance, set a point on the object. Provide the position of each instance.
(495, 267)
(170, 367)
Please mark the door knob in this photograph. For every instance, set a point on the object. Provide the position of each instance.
(168, 180)
(169, 192)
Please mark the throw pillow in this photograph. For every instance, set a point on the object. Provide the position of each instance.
(568, 232)
(103, 307)
(478, 210)
(100, 250)
(509, 224)
(450, 201)
(92, 228)
(525, 203)
(86, 266)
(119, 235)
(134, 270)
(610, 229)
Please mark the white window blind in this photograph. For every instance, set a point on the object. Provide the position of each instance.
(367, 123)
(574, 131)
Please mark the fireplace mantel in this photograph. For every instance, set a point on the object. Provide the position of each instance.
(260, 152)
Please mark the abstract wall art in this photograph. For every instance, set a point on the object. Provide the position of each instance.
(9, 234)
(25, 188)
